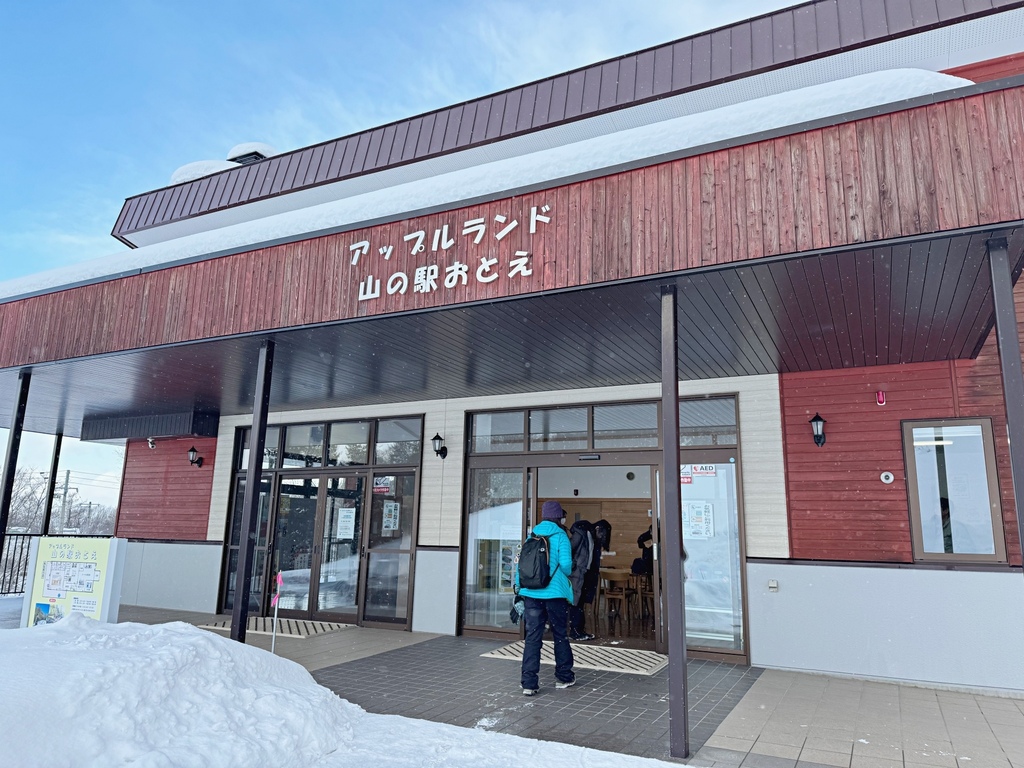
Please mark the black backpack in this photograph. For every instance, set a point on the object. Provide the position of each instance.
(534, 569)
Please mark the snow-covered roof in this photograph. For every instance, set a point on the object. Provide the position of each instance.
(200, 168)
(588, 156)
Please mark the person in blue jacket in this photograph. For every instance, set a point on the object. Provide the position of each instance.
(549, 605)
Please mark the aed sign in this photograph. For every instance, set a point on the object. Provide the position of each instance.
(707, 470)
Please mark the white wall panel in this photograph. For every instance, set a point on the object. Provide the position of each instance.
(956, 628)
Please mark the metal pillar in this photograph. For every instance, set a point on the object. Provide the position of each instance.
(11, 457)
(672, 543)
(51, 482)
(250, 503)
(1008, 341)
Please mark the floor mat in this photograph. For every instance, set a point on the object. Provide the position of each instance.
(599, 657)
(264, 625)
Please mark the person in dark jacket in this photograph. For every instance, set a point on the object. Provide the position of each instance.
(549, 605)
(586, 559)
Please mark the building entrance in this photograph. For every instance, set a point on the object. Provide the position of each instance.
(627, 608)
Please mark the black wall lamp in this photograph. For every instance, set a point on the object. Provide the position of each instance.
(818, 426)
(194, 457)
(439, 447)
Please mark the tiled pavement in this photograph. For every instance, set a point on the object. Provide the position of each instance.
(794, 719)
(446, 680)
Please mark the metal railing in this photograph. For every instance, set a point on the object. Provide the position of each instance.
(14, 562)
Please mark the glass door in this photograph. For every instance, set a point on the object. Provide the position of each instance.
(389, 546)
(340, 546)
(711, 535)
(497, 500)
(294, 540)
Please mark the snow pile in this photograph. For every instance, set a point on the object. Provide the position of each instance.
(80, 692)
(83, 694)
(200, 168)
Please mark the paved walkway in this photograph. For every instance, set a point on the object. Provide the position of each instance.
(738, 716)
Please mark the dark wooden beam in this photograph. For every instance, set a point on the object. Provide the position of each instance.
(51, 482)
(11, 457)
(672, 522)
(1008, 342)
(250, 503)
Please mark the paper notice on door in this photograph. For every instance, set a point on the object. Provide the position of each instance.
(346, 529)
(698, 520)
(685, 474)
(389, 522)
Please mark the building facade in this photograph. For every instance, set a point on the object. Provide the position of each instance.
(631, 288)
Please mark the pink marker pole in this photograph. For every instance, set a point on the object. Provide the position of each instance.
(273, 602)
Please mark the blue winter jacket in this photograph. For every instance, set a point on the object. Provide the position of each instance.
(559, 559)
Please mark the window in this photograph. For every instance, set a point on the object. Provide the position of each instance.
(954, 496)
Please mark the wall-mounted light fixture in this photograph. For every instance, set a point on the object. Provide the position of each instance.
(880, 397)
(194, 457)
(818, 427)
(439, 447)
(151, 442)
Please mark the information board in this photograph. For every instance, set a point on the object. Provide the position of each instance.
(73, 574)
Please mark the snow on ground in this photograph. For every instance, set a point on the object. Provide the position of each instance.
(10, 611)
(83, 693)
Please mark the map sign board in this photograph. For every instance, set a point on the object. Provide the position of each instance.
(73, 574)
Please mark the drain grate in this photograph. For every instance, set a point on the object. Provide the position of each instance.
(606, 659)
(264, 625)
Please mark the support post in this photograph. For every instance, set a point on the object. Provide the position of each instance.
(11, 457)
(1008, 342)
(51, 483)
(250, 503)
(672, 544)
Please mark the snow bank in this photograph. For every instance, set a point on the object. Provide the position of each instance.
(83, 693)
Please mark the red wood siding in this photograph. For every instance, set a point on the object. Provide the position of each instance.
(163, 496)
(838, 508)
(993, 69)
(947, 165)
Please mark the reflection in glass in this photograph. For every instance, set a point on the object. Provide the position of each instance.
(952, 487)
(339, 551)
(498, 432)
(626, 426)
(558, 429)
(293, 540)
(495, 533)
(349, 443)
(398, 441)
(707, 421)
(387, 586)
(269, 449)
(259, 551)
(391, 511)
(304, 445)
(710, 519)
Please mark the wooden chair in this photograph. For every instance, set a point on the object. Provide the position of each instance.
(617, 596)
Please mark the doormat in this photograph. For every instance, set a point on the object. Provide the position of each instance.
(264, 625)
(606, 659)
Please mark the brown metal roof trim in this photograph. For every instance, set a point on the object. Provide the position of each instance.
(771, 41)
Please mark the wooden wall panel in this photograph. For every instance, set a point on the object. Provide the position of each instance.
(993, 69)
(163, 496)
(924, 170)
(838, 508)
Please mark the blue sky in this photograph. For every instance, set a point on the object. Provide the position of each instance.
(105, 100)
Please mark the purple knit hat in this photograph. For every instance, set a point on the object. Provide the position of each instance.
(552, 510)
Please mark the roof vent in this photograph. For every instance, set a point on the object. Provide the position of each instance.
(251, 152)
